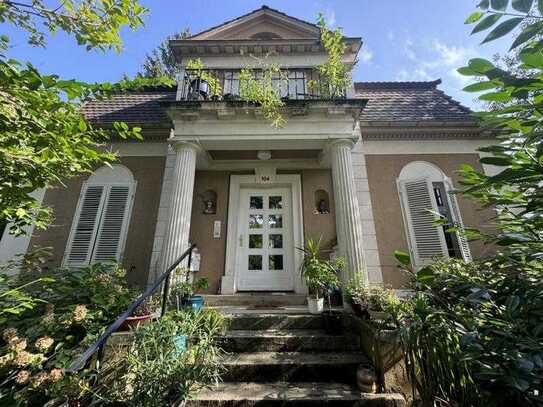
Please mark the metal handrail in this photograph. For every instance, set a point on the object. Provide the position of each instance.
(98, 345)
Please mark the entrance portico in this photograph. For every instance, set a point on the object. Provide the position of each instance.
(265, 216)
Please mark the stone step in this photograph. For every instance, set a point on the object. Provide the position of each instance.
(257, 300)
(293, 340)
(293, 367)
(248, 394)
(243, 321)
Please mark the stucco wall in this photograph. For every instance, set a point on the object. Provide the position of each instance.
(318, 225)
(212, 250)
(383, 171)
(148, 172)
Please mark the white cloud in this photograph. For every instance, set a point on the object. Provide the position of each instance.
(330, 18)
(391, 36)
(408, 49)
(366, 55)
(451, 55)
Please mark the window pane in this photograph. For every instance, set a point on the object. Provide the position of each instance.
(275, 221)
(276, 241)
(256, 221)
(255, 262)
(276, 262)
(276, 202)
(255, 241)
(256, 202)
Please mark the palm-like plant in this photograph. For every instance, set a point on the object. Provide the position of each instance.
(320, 275)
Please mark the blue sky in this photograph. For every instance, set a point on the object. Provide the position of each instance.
(403, 40)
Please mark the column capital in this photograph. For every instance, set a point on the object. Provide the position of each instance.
(178, 145)
(342, 142)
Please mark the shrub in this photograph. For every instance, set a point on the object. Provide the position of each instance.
(474, 335)
(72, 308)
(157, 372)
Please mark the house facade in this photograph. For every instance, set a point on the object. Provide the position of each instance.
(361, 173)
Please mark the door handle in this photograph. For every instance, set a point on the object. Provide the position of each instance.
(240, 240)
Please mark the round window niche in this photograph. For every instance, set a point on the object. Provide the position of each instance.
(209, 202)
(322, 202)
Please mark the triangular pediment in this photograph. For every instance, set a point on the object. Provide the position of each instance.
(262, 24)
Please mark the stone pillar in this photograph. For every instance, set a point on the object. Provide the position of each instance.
(178, 226)
(348, 222)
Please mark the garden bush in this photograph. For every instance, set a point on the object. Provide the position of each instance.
(170, 359)
(55, 316)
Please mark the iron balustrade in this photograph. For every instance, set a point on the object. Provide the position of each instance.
(293, 84)
(98, 345)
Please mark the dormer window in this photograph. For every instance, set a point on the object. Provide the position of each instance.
(265, 36)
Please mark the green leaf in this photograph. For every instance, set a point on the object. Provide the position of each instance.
(540, 6)
(486, 22)
(527, 34)
(402, 257)
(496, 97)
(426, 274)
(484, 4)
(499, 4)
(498, 161)
(523, 6)
(480, 65)
(467, 71)
(473, 17)
(480, 86)
(504, 28)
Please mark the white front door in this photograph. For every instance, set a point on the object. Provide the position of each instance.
(265, 255)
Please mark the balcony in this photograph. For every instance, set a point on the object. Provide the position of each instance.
(291, 85)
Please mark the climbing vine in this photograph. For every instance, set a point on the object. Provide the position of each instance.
(335, 75)
(197, 66)
(261, 87)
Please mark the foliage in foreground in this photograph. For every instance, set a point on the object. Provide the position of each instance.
(71, 308)
(473, 333)
(158, 369)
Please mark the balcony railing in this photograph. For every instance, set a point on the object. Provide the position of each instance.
(291, 85)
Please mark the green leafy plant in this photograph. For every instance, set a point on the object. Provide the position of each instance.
(334, 74)
(156, 372)
(70, 310)
(197, 69)
(319, 275)
(257, 86)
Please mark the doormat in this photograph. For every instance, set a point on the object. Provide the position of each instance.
(257, 307)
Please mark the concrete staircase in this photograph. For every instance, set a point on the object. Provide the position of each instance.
(283, 357)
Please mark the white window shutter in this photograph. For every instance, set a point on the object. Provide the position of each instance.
(85, 225)
(427, 240)
(109, 239)
(458, 224)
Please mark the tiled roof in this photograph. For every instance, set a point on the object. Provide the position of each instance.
(409, 102)
(138, 107)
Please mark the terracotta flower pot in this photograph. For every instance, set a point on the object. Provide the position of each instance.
(135, 321)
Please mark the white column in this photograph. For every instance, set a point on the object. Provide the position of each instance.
(348, 223)
(178, 226)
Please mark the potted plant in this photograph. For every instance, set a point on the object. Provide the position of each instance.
(183, 291)
(369, 301)
(318, 275)
(142, 315)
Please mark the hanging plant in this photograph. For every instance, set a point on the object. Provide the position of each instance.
(261, 87)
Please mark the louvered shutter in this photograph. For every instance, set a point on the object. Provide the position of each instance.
(113, 223)
(457, 220)
(87, 219)
(426, 239)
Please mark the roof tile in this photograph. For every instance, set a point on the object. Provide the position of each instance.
(410, 102)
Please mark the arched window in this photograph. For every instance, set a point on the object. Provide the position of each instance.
(425, 191)
(101, 219)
